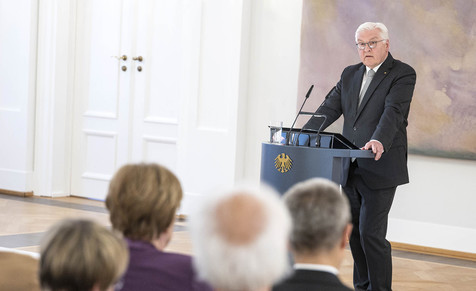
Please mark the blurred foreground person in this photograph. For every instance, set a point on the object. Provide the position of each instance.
(13, 263)
(80, 255)
(240, 239)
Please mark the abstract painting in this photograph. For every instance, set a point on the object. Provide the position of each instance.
(437, 38)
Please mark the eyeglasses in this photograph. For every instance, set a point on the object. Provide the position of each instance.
(371, 44)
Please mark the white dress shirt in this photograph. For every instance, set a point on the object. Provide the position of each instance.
(316, 267)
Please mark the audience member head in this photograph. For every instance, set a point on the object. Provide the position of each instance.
(240, 239)
(80, 255)
(321, 221)
(143, 200)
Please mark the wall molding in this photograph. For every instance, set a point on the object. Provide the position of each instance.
(159, 139)
(16, 193)
(161, 120)
(433, 251)
(100, 114)
(53, 120)
(17, 180)
(432, 236)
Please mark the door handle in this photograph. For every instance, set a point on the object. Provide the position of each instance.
(123, 57)
(139, 58)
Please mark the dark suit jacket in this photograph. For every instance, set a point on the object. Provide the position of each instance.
(382, 115)
(309, 280)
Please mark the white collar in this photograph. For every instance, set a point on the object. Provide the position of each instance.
(367, 69)
(375, 68)
(316, 267)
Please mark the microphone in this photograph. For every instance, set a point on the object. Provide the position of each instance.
(308, 93)
(299, 113)
(316, 115)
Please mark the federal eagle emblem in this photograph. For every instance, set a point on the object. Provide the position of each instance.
(283, 163)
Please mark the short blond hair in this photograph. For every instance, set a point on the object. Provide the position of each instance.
(80, 254)
(142, 200)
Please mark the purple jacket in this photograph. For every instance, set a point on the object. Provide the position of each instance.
(151, 269)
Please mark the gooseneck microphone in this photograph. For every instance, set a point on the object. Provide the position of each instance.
(316, 115)
(308, 93)
(288, 136)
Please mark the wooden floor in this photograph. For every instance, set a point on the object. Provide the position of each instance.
(24, 220)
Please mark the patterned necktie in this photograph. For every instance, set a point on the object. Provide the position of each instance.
(368, 79)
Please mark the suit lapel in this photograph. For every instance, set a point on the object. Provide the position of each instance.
(379, 76)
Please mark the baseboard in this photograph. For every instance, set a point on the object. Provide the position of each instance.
(16, 193)
(433, 251)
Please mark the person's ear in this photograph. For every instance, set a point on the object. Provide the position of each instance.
(346, 235)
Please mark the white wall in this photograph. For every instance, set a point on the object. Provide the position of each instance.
(214, 93)
(273, 74)
(437, 208)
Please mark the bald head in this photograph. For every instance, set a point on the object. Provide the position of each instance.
(240, 218)
(240, 239)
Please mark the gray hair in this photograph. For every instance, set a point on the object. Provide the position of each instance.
(320, 214)
(241, 262)
(371, 26)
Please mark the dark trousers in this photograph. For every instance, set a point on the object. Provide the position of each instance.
(371, 251)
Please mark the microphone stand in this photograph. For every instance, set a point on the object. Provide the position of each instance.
(288, 136)
(318, 139)
(314, 114)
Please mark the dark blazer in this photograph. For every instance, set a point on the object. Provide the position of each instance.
(382, 115)
(309, 280)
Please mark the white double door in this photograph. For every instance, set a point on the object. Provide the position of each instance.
(128, 74)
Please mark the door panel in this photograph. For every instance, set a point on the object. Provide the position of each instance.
(101, 101)
(125, 116)
(157, 88)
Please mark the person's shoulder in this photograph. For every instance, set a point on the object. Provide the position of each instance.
(181, 261)
(400, 65)
(13, 263)
(307, 279)
(11, 260)
(185, 264)
(178, 257)
(354, 67)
